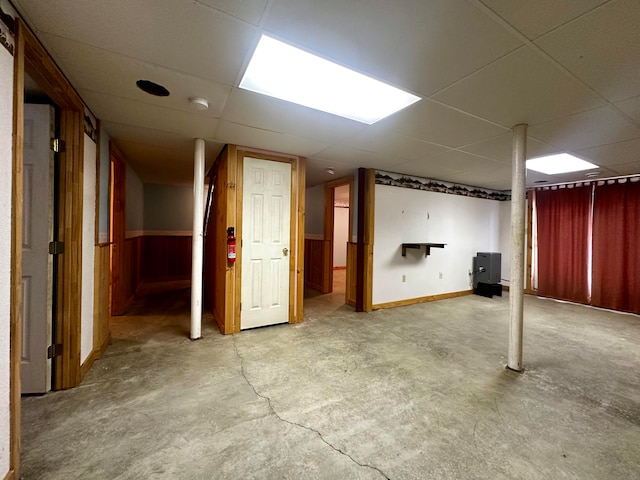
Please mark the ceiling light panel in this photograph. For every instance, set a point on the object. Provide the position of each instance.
(288, 73)
(560, 163)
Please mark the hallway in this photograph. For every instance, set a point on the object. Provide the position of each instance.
(406, 393)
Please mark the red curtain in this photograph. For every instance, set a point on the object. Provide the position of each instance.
(563, 242)
(616, 247)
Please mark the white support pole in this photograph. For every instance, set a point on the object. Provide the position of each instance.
(197, 239)
(518, 214)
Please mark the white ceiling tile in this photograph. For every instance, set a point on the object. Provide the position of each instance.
(248, 10)
(346, 155)
(499, 178)
(501, 148)
(432, 122)
(425, 169)
(533, 19)
(268, 113)
(613, 154)
(632, 168)
(316, 170)
(413, 44)
(467, 162)
(178, 34)
(599, 126)
(392, 145)
(156, 156)
(602, 48)
(522, 87)
(129, 112)
(631, 107)
(101, 71)
(245, 136)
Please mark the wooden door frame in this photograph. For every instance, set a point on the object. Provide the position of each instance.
(117, 303)
(329, 228)
(31, 57)
(296, 265)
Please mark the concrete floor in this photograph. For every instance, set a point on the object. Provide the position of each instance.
(417, 392)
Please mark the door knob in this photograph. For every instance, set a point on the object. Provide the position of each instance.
(285, 251)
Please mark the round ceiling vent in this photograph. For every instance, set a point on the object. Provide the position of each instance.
(152, 88)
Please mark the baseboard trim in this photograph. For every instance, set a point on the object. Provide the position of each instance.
(11, 475)
(413, 301)
(93, 356)
(340, 268)
(505, 288)
(88, 363)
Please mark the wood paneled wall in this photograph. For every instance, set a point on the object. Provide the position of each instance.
(154, 258)
(352, 252)
(166, 258)
(132, 271)
(316, 256)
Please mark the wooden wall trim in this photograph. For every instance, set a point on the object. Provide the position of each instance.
(300, 243)
(70, 262)
(413, 301)
(369, 210)
(16, 253)
(46, 73)
(11, 475)
(529, 269)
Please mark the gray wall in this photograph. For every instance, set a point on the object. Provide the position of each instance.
(134, 204)
(168, 208)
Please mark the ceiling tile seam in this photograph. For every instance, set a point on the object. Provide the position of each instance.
(173, 109)
(570, 21)
(137, 59)
(543, 53)
(129, 125)
(582, 112)
(484, 67)
(227, 14)
(468, 114)
(612, 143)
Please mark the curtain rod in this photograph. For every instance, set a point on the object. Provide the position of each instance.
(589, 180)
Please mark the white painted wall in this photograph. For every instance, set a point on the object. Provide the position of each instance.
(467, 225)
(505, 241)
(6, 153)
(340, 236)
(88, 248)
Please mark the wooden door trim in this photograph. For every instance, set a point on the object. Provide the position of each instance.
(16, 254)
(30, 56)
(364, 262)
(45, 72)
(296, 230)
(329, 228)
(117, 304)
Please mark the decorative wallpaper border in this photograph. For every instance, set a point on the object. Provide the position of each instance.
(6, 38)
(431, 185)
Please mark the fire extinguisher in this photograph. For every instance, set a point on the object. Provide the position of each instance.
(231, 245)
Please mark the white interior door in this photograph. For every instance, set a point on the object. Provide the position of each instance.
(37, 232)
(266, 220)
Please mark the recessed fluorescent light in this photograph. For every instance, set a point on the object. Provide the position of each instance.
(560, 163)
(288, 73)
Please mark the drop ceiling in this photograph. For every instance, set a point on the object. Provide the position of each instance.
(570, 70)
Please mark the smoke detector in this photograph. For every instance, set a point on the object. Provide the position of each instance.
(199, 103)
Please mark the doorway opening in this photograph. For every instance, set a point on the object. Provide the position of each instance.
(39, 240)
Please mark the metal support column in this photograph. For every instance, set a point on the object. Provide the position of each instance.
(518, 216)
(197, 239)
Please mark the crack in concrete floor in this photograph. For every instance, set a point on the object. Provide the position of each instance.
(305, 427)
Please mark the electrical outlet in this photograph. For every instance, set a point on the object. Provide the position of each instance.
(440, 275)
(404, 278)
